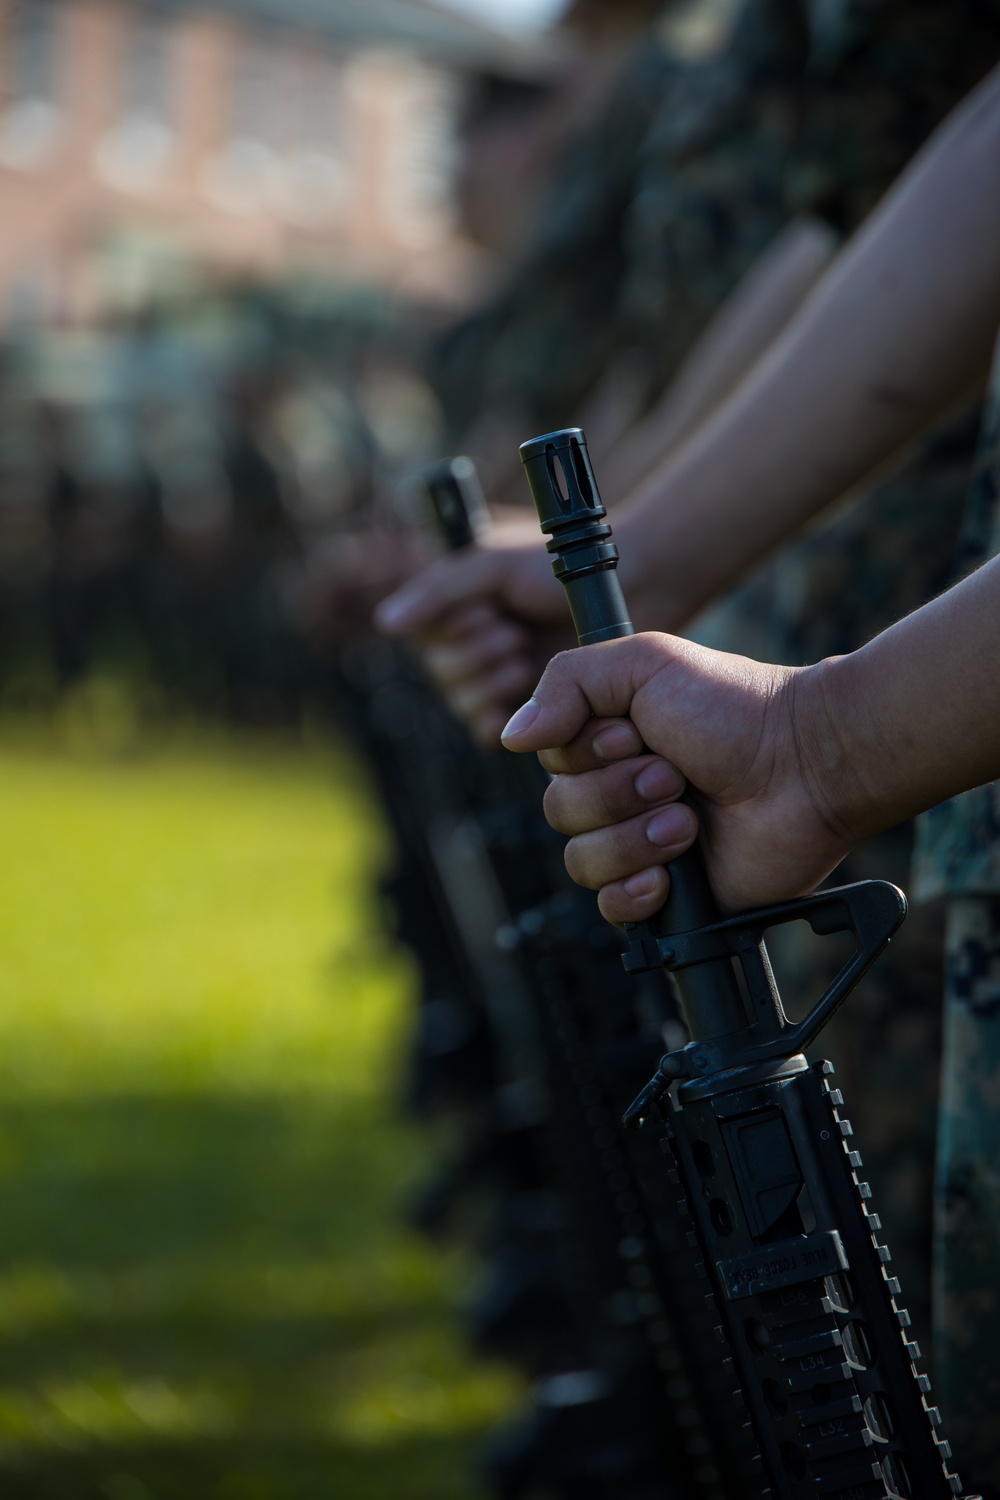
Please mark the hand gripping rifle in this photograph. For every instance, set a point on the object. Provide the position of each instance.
(638, 1414)
(805, 1298)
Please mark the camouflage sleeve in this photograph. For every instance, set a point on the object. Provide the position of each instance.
(967, 1208)
(957, 849)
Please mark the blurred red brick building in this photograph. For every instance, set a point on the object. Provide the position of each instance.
(139, 141)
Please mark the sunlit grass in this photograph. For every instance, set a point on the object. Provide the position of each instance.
(199, 919)
(203, 1287)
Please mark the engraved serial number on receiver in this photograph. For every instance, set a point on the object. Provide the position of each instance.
(785, 1263)
(795, 1261)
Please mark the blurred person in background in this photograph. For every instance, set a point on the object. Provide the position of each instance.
(773, 114)
(776, 130)
(168, 495)
(544, 175)
(895, 334)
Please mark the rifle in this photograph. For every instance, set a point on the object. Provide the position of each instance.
(651, 1385)
(806, 1303)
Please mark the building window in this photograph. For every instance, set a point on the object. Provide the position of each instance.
(141, 143)
(421, 155)
(32, 119)
(314, 180)
(259, 94)
(283, 146)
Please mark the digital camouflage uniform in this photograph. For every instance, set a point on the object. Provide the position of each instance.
(734, 116)
(785, 107)
(711, 90)
(881, 75)
(957, 857)
(711, 183)
(538, 346)
(887, 72)
(731, 117)
(871, 563)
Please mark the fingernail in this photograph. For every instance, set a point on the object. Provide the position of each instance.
(668, 826)
(393, 612)
(615, 742)
(522, 720)
(643, 884)
(656, 782)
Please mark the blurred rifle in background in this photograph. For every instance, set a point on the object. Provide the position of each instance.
(529, 1041)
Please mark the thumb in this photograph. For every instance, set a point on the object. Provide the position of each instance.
(593, 681)
(452, 580)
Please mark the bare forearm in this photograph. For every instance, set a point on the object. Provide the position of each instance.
(749, 321)
(895, 333)
(910, 719)
(792, 766)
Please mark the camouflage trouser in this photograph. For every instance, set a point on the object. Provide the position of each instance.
(967, 1229)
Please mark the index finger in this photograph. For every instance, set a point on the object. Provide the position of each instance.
(595, 681)
(599, 742)
(454, 580)
(464, 621)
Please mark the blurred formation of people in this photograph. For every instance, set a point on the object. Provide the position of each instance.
(168, 481)
(230, 506)
(730, 151)
(729, 154)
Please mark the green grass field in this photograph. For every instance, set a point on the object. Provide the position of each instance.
(204, 1289)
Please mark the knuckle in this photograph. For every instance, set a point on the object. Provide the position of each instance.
(553, 761)
(577, 864)
(562, 661)
(609, 798)
(553, 805)
(608, 905)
